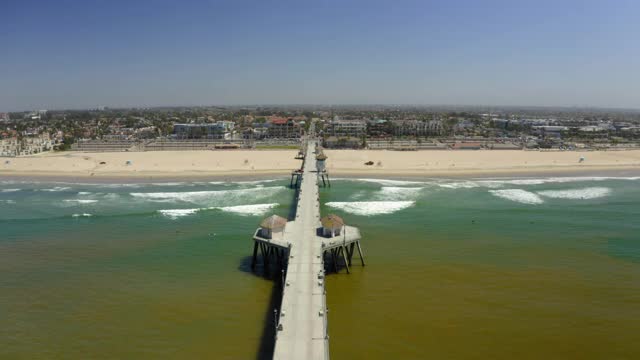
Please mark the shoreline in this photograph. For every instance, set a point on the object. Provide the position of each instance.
(247, 165)
(143, 178)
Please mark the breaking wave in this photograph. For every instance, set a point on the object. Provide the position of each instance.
(57, 188)
(81, 201)
(518, 195)
(206, 197)
(384, 181)
(460, 185)
(9, 190)
(178, 213)
(245, 210)
(398, 193)
(81, 215)
(497, 183)
(371, 207)
(585, 193)
(256, 209)
(253, 182)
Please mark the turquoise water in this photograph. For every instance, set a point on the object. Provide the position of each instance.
(502, 268)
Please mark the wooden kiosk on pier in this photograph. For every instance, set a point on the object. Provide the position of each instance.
(321, 168)
(339, 241)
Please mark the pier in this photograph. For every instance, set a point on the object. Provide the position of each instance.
(300, 247)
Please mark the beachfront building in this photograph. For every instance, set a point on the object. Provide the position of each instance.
(35, 144)
(9, 147)
(272, 226)
(550, 130)
(217, 130)
(26, 146)
(417, 128)
(331, 225)
(379, 128)
(343, 142)
(345, 128)
(282, 128)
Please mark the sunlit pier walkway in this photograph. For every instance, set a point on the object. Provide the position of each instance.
(300, 246)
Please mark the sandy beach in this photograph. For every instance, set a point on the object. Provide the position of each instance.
(240, 163)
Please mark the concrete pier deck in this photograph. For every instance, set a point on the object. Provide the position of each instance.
(299, 247)
(302, 325)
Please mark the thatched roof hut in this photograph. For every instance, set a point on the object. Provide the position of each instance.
(272, 224)
(331, 225)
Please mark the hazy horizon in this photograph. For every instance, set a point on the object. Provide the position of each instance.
(452, 107)
(77, 55)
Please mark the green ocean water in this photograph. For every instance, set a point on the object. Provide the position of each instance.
(545, 267)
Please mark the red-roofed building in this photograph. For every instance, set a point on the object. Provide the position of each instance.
(283, 128)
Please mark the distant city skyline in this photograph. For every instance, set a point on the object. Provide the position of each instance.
(85, 54)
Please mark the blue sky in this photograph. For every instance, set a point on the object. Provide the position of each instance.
(87, 53)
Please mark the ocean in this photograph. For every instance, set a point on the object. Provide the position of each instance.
(527, 268)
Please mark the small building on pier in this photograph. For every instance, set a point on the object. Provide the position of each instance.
(331, 225)
(320, 159)
(273, 225)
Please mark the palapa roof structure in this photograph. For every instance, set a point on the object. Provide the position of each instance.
(273, 222)
(332, 221)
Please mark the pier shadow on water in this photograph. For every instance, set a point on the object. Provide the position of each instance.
(267, 340)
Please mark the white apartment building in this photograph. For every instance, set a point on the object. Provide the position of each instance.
(26, 146)
(355, 128)
(9, 147)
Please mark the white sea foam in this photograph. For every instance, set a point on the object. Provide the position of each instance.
(81, 201)
(84, 193)
(9, 190)
(498, 183)
(169, 184)
(492, 184)
(253, 182)
(255, 209)
(371, 207)
(117, 186)
(201, 197)
(178, 213)
(359, 195)
(518, 195)
(81, 215)
(586, 178)
(8, 201)
(57, 188)
(397, 193)
(585, 193)
(460, 185)
(386, 182)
